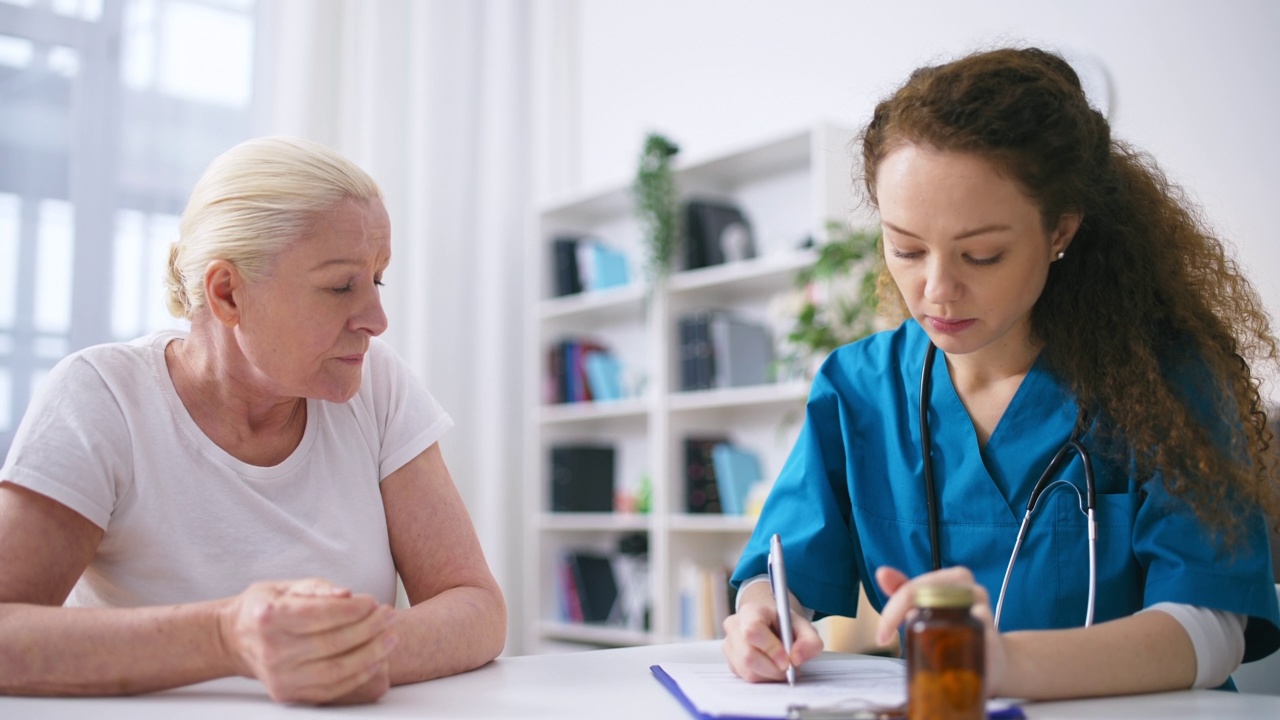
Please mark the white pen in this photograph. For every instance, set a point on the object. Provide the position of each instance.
(778, 583)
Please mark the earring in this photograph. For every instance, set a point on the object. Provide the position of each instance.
(1062, 254)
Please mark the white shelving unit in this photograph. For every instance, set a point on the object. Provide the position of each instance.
(789, 188)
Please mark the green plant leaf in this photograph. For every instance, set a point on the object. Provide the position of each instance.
(819, 330)
(657, 205)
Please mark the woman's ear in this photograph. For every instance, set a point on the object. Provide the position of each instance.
(1064, 233)
(222, 281)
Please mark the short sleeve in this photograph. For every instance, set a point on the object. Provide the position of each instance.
(409, 419)
(809, 507)
(73, 444)
(1185, 564)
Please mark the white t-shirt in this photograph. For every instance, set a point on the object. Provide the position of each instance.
(183, 520)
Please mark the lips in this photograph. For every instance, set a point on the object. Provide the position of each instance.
(949, 326)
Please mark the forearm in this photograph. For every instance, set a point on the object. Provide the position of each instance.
(1148, 652)
(108, 651)
(458, 630)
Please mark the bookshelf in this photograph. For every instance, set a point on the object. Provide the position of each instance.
(788, 187)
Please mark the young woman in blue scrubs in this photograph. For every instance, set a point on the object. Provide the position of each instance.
(1066, 284)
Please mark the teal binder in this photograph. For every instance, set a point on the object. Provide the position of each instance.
(736, 471)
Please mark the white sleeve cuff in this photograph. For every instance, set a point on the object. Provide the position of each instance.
(804, 612)
(737, 600)
(1216, 635)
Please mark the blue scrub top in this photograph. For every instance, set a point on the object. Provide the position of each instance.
(851, 498)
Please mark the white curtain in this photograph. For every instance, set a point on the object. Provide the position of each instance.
(432, 98)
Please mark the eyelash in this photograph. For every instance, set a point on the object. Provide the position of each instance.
(981, 262)
(347, 288)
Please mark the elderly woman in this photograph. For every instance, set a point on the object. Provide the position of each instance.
(238, 499)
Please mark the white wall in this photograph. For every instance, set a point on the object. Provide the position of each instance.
(1197, 85)
(1197, 82)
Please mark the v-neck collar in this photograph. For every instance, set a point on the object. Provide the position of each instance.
(1011, 461)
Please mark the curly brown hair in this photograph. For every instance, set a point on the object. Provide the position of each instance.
(1143, 288)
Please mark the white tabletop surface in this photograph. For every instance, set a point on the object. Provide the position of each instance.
(615, 684)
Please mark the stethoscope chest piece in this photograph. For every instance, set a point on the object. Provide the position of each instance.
(1044, 483)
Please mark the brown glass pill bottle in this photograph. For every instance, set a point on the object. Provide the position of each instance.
(945, 656)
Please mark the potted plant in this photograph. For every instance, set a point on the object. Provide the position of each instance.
(834, 301)
(657, 206)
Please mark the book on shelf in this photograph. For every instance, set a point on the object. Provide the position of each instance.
(702, 494)
(564, 255)
(584, 264)
(716, 232)
(567, 594)
(589, 588)
(582, 478)
(737, 470)
(559, 370)
(719, 349)
(582, 370)
(600, 266)
(741, 351)
(685, 326)
(577, 387)
(695, 350)
(705, 599)
(603, 376)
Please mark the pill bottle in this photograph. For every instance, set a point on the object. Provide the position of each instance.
(945, 656)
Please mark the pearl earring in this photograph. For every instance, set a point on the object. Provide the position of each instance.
(1061, 254)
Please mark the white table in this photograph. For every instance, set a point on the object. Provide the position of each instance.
(613, 684)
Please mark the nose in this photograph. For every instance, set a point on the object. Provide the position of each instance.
(369, 317)
(942, 281)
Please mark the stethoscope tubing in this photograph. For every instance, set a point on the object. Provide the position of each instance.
(1045, 481)
(926, 451)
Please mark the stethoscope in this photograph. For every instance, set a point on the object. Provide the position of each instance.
(1044, 483)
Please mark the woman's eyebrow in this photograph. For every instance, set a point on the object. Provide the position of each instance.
(995, 227)
(336, 261)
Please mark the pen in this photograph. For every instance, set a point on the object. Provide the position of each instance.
(804, 712)
(891, 712)
(778, 583)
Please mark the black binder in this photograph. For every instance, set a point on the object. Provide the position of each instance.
(582, 478)
(565, 266)
(708, 227)
(596, 584)
(702, 494)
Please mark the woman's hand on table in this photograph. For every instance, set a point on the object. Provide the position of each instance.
(309, 641)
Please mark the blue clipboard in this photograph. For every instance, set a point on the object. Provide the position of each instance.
(1012, 712)
(674, 688)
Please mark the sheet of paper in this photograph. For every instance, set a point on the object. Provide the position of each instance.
(851, 683)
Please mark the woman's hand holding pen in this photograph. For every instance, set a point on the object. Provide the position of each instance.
(309, 641)
(900, 590)
(751, 642)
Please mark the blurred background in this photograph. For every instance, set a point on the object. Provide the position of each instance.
(471, 113)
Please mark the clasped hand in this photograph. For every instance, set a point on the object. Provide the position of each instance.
(309, 641)
(756, 654)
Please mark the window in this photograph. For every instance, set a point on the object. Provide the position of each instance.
(109, 111)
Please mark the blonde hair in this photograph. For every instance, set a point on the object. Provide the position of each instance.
(251, 202)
